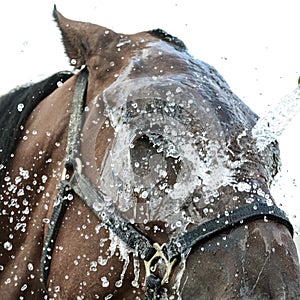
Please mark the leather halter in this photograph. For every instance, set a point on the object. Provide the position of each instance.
(147, 250)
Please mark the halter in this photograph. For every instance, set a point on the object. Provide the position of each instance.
(147, 250)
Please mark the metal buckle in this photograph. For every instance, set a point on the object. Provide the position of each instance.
(159, 254)
(78, 168)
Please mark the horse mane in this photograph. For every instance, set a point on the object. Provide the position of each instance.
(15, 108)
(173, 40)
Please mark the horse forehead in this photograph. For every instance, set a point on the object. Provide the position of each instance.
(158, 72)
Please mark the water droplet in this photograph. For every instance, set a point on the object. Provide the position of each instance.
(24, 173)
(7, 281)
(57, 289)
(249, 200)
(20, 193)
(70, 197)
(134, 105)
(244, 187)
(26, 211)
(196, 199)
(44, 178)
(105, 282)
(30, 266)
(59, 83)
(178, 224)
(8, 246)
(93, 266)
(24, 287)
(178, 90)
(20, 107)
(144, 194)
(119, 283)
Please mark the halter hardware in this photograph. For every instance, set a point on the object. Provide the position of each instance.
(157, 255)
(78, 168)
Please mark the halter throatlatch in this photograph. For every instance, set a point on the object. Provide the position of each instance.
(151, 253)
(72, 160)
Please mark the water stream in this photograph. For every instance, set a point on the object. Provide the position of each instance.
(273, 123)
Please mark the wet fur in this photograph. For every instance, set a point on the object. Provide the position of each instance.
(12, 121)
(240, 264)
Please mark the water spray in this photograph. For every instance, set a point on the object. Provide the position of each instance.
(269, 127)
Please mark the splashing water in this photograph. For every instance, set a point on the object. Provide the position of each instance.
(116, 245)
(168, 115)
(271, 126)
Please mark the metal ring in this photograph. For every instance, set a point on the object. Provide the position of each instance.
(159, 254)
(64, 174)
(78, 165)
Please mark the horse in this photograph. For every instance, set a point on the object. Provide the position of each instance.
(136, 177)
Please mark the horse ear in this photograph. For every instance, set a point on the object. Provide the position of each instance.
(74, 38)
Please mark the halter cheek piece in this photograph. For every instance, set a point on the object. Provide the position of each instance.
(148, 251)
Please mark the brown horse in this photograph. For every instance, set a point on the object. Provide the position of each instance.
(152, 187)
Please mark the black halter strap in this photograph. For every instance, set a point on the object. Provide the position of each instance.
(127, 232)
(61, 201)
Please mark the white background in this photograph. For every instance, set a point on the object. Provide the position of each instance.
(254, 44)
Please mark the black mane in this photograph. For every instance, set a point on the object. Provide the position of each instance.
(15, 108)
(173, 40)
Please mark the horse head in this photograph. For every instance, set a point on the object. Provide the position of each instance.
(167, 147)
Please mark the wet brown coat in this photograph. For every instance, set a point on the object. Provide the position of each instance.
(253, 261)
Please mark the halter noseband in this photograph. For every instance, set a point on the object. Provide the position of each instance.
(148, 251)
